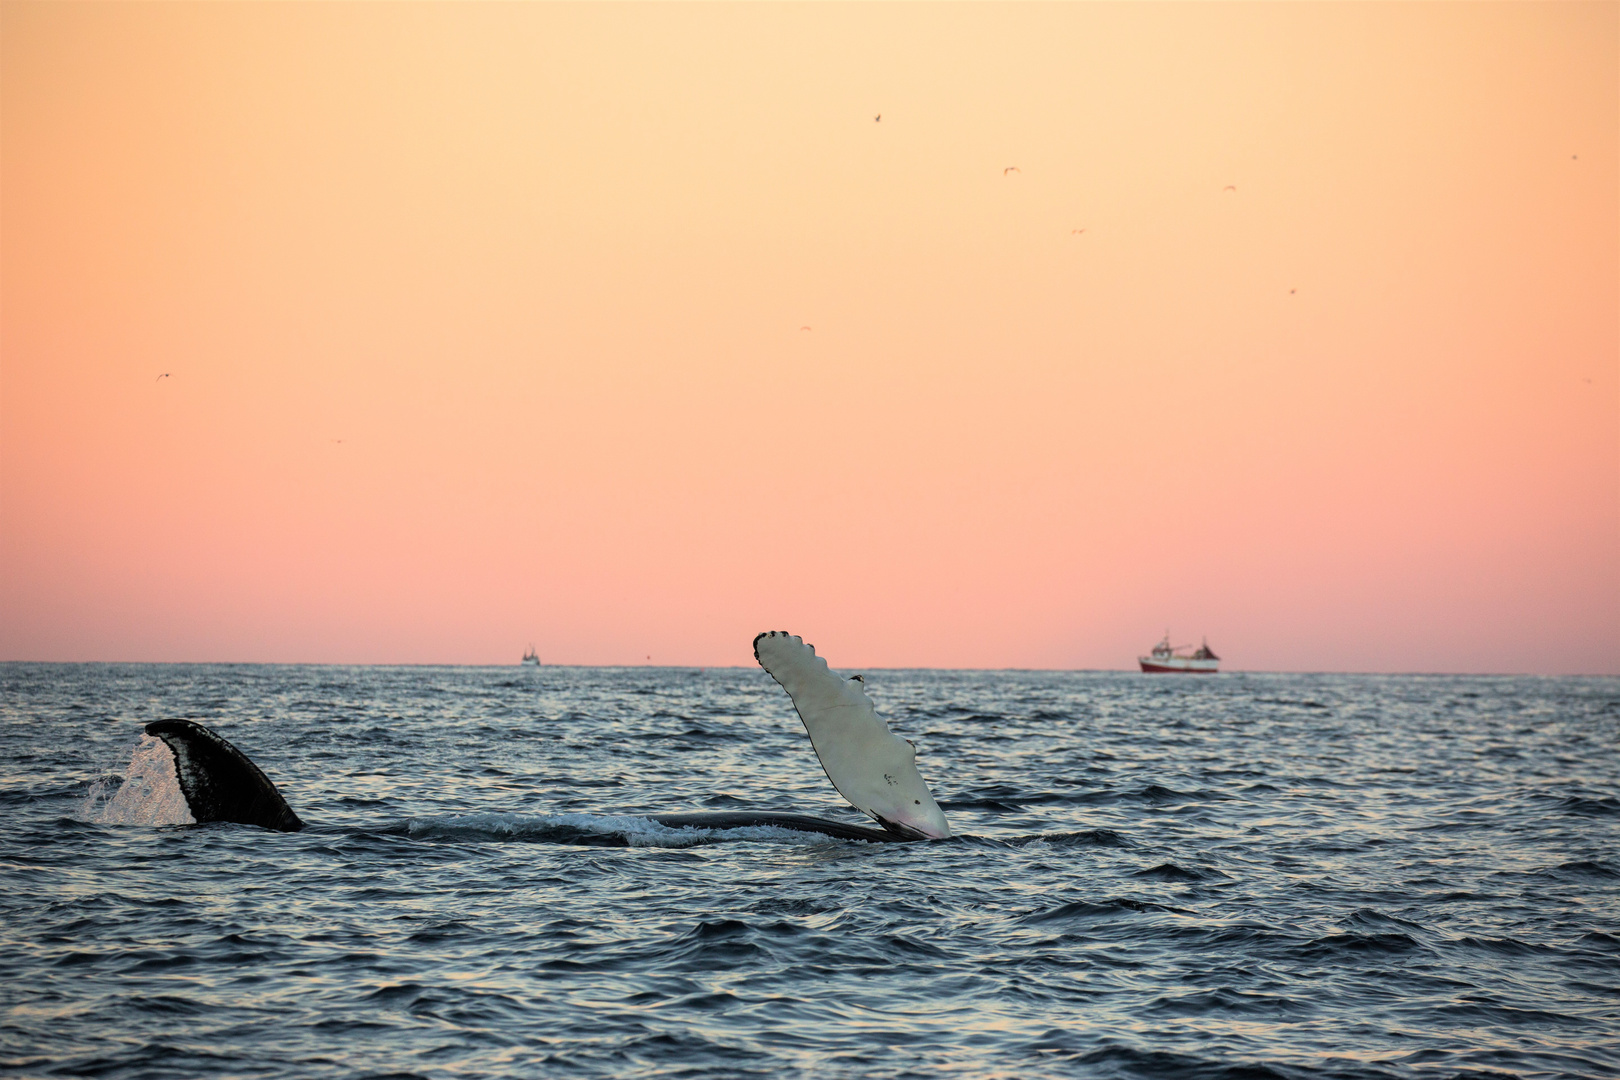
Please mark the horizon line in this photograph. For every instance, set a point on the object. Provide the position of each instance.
(746, 667)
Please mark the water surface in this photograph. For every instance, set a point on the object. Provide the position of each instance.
(1245, 875)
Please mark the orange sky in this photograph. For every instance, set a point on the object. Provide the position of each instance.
(543, 271)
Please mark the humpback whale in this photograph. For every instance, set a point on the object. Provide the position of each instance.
(868, 765)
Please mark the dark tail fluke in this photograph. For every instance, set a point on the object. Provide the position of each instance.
(218, 780)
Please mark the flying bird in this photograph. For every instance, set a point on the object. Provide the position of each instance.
(1291, 292)
(1011, 168)
(878, 118)
(804, 328)
(1076, 232)
(1229, 187)
(161, 377)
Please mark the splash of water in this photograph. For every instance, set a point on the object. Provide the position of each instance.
(149, 793)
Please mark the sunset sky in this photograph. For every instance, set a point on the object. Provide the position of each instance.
(483, 324)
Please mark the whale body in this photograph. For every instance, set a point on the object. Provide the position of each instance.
(869, 766)
(743, 819)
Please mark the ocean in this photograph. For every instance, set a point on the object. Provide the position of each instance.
(1245, 875)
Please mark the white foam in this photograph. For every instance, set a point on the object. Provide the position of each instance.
(148, 795)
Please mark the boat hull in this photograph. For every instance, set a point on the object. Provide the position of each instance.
(1179, 666)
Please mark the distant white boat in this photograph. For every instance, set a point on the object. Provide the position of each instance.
(1166, 657)
(531, 657)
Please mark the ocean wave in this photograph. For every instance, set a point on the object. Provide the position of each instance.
(1226, 1000)
(1601, 806)
(1171, 872)
(1094, 909)
(1359, 945)
(1103, 838)
(1583, 868)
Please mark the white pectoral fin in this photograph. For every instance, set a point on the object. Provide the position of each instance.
(867, 763)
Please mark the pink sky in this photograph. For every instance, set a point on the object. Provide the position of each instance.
(482, 326)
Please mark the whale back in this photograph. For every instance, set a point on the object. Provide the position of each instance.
(218, 780)
(868, 764)
(745, 819)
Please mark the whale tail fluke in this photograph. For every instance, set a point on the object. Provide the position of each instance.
(868, 764)
(218, 780)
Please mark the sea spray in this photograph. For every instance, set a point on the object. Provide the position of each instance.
(149, 793)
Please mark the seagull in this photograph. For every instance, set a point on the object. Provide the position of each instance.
(1011, 168)
(804, 328)
(1229, 187)
(161, 377)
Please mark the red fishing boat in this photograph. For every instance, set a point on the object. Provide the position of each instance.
(1166, 657)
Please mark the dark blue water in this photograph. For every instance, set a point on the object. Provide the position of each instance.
(1246, 875)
